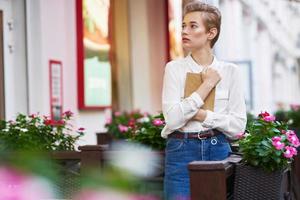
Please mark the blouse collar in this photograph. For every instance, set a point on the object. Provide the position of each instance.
(195, 67)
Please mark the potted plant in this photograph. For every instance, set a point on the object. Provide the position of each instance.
(30, 144)
(38, 133)
(148, 131)
(137, 127)
(267, 148)
(122, 124)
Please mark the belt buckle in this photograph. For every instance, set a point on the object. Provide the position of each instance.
(199, 137)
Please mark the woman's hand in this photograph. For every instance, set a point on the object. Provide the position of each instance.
(210, 79)
(210, 76)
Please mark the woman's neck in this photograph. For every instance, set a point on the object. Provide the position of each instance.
(203, 57)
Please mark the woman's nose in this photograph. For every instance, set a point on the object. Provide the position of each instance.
(184, 31)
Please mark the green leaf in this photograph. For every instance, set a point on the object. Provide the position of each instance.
(266, 144)
(277, 159)
(275, 130)
(278, 153)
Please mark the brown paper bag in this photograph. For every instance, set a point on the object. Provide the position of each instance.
(192, 83)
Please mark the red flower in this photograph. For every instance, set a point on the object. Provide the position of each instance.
(32, 116)
(131, 122)
(48, 122)
(60, 122)
(117, 114)
(68, 113)
(81, 129)
(263, 115)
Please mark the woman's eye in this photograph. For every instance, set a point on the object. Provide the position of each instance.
(183, 26)
(193, 26)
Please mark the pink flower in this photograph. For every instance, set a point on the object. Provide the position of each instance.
(157, 122)
(122, 128)
(108, 120)
(240, 135)
(89, 194)
(269, 118)
(276, 142)
(290, 132)
(117, 113)
(17, 186)
(278, 145)
(289, 152)
(295, 107)
(294, 140)
(276, 138)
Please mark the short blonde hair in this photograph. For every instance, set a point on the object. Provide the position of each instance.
(211, 17)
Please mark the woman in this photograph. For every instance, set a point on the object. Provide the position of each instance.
(194, 133)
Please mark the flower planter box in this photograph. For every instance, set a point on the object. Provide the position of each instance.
(72, 164)
(212, 180)
(104, 138)
(254, 183)
(295, 178)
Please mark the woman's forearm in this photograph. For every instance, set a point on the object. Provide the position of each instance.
(205, 89)
(200, 115)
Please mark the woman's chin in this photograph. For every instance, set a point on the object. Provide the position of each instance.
(187, 47)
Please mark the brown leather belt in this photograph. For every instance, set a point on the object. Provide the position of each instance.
(201, 135)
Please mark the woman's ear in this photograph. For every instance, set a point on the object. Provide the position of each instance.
(212, 33)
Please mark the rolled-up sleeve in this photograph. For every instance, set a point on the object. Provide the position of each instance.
(177, 111)
(235, 121)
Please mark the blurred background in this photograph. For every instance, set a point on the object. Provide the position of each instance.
(72, 68)
(95, 57)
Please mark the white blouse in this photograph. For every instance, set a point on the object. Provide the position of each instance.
(229, 115)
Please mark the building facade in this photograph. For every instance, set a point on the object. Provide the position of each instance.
(263, 37)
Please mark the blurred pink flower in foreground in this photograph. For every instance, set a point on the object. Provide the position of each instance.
(17, 186)
(110, 195)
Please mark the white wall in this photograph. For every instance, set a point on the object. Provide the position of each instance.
(158, 51)
(255, 31)
(140, 55)
(148, 52)
(52, 35)
(14, 57)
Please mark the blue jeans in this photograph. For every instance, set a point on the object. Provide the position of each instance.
(179, 153)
